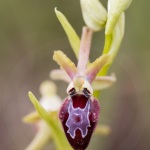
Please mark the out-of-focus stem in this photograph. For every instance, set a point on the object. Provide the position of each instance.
(84, 51)
(42, 137)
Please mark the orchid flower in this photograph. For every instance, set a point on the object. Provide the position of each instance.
(80, 110)
(51, 103)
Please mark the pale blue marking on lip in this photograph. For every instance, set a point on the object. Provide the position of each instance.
(83, 122)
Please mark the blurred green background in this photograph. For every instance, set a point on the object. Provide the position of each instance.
(30, 31)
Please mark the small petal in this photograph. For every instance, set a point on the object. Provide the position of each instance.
(103, 82)
(31, 118)
(71, 34)
(65, 63)
(96, 66)
(59, 74)
(94, 14)
(115, 9)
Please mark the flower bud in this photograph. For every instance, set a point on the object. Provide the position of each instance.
(49, 100)
(94, 14)
(115, 9)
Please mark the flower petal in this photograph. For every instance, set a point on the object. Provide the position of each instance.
(96, 66)
(59, 74)
(65, 63)
(103, 82)
(102, 130)
(31, 118)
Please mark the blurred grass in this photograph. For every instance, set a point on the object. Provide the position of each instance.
(30, 31)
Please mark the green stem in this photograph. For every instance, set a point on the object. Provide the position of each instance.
(108, 40)
(42, 137)
(103, 72)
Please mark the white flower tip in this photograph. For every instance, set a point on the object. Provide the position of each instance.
(30, 93)
(55, 9)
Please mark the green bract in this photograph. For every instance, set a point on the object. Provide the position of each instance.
(71, 34)
(57, 132)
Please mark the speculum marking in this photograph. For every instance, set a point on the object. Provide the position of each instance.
(78, 119)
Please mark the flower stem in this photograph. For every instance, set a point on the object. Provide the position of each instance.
(108, 40)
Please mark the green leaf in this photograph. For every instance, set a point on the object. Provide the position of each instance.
(71, 34)
(57, 133)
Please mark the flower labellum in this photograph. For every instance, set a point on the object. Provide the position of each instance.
(79, 115)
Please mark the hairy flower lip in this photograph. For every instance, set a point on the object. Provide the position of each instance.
(79, 101)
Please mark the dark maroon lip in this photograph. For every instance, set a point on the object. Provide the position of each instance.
(79, 100)
(79, 116)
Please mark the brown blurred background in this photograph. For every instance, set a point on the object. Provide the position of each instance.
(30, 31)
